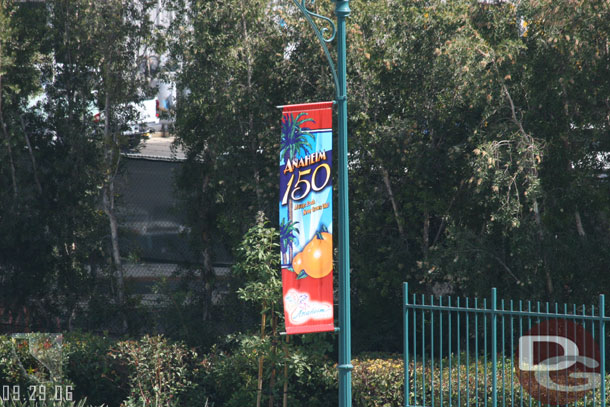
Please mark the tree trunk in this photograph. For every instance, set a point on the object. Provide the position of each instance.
(529, 141)
(285, 398)
(388, 187)
(547, 271)
(108, 202)
(273, 353)
(31, 153)
(8, 143)
(579, 227)
(208, 272)
(259, 386)
(566, 108)
(208, 265)
(251, 131)
(109, 207)
(426, 234)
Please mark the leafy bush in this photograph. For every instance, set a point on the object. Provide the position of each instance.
(39, 403)
(12, 372)
(159, 371)
(95, 375)
(32, 365)
(378, 381)
(85, 365)
(263, 368)
(230, 369)
(229, 372)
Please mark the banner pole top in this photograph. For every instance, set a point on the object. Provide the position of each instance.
(317, 105)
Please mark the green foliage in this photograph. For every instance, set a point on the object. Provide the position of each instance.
(85, 366)
(33, 365)
(378, 381)
(478, 141)
(50, 227)
(227, 54)
(232, 59)
(151, 371)
(14, 360)
(297, 368)
(229, 372)
(95, 374)
(47, 403)
(60, 63)
(258, 265)
(473, 133)
(159, 371)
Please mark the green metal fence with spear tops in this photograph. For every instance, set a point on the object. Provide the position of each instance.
(468, 352)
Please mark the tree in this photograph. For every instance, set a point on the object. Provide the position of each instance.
(476, 138)
(123, 32)
(49, 225)
(409, 131)
(259, 266)
(538, 136)
(62, 62)
(232, 73)
(100, 64)
(257, 271)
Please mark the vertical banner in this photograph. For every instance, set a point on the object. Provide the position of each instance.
(306, 216)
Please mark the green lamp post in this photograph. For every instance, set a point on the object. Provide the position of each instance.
(342, 10)
(325, 35)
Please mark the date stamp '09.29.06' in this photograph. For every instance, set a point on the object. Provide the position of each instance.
(37, 392)
(37, 359)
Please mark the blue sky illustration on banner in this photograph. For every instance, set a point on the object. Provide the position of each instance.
(309, 224)
(323, 142)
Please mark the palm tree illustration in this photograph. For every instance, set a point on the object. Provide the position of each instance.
(295, 140)
(288, 236)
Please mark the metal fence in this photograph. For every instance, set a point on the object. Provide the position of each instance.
(154, 235)
(467, 352)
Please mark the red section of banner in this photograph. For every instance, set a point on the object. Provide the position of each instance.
(320, 112)
(319, 290)
(306, 217)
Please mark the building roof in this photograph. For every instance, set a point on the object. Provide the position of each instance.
(157, 147)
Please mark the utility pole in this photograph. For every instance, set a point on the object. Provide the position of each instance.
(342, 11)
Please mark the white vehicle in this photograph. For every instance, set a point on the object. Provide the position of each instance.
(154, 113)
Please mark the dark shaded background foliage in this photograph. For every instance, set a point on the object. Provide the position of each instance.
(477, 134)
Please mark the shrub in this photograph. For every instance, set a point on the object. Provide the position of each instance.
(229, 373)
(230, 369)
(378, 381)
(12, 371)
(39, 403)
(159, 372)
(32, 365)
(95, 375)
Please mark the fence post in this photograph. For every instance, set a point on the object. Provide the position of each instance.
(602, 335)
(405, 316)
(494, 349)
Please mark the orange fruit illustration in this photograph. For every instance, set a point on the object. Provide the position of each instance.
(297, 263)
(318, 255)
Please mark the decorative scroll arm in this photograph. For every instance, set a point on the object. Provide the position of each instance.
(324, 30)
(322, 35)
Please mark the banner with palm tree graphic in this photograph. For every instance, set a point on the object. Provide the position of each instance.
(306, 217)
